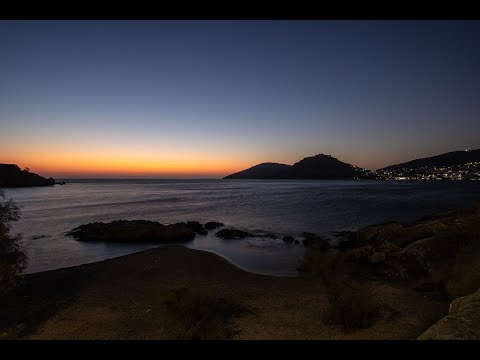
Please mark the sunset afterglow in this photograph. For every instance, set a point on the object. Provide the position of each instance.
(204, 99)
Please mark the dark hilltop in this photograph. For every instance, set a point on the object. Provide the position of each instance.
(12, 176)
(314, 167)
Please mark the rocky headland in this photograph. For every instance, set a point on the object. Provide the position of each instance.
(12, 176)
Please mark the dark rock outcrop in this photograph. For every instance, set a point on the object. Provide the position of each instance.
(197, 227)
(429, 249)
(461, 323)
(288, 239)
(12, 176)
(132, 231)
(211, 225)
(233, 234)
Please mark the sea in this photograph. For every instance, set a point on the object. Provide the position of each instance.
(283, 207)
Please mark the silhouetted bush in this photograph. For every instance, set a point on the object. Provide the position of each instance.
(349, 306)
(199, 317)
(12, 257)
(318, 264)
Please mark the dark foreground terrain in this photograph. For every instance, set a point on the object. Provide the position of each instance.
(388, 281)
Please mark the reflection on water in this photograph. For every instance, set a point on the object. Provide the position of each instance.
(279, 206)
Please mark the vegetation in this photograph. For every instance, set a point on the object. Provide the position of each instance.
(318, 264)
(349, 306)
(12, 257)
(199, 317)
(466, 274)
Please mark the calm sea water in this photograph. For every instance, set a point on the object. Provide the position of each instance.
(283, 207)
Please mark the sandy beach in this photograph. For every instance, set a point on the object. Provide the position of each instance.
(121, 298)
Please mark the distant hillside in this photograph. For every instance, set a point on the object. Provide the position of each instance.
(324, 167)
(12, 176)
(260, 171)
(449, 159)
(315, 167)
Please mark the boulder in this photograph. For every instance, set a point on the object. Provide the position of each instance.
(387, 247)
(392, 236)
(373, 235)
(433, 257)
(360, 254)
(197, 227)
(288, 239)
(213, 225)
(365, 254)
(461, 323)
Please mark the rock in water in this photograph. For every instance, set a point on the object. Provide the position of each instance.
(132, 231)
(197, 227)
(233, 234)
(213, 225)
(461, 323)
(288, 239)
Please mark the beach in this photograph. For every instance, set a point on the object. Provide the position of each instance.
(121, 298)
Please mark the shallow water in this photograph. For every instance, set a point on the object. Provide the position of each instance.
(279, 206)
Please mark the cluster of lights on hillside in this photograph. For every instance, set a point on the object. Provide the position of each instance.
(468, 171)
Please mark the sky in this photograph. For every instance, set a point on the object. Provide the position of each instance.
(183, 99)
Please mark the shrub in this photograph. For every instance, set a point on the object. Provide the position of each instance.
(12, 257)
(318, 264)
(198, 317)
(349, 306)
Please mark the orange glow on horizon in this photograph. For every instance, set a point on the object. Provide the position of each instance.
(93, 159)
(136, 165)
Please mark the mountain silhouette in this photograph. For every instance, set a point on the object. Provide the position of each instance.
(314, 167)
(260, 171)
(12, 176)
(448, 159)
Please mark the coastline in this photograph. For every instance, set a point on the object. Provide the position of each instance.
(121, 298)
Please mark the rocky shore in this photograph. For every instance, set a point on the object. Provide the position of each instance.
(386, 281)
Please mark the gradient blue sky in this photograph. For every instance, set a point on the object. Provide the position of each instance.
(205, 98)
